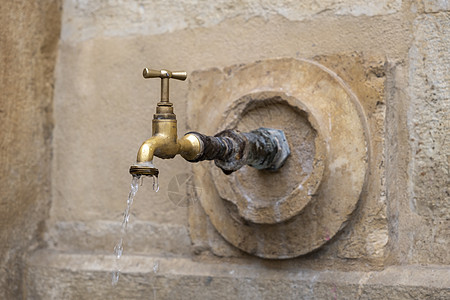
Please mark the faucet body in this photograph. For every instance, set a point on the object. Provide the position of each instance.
(263, 148)
(164, 143)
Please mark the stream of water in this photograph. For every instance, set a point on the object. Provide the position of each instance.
(118, 248)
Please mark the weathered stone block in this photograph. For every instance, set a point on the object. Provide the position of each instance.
(53, 275)
(29, 33)
(429, 125)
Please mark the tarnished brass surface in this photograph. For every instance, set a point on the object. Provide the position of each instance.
(164, 146)
(147, 150)
(190, 146)
(149, 73)
(164, 142)
(165, 75)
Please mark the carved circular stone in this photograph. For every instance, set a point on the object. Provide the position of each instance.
(268, 197)
(299, 208)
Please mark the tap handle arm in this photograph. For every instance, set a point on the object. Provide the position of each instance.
(149, 73)
(165, 75)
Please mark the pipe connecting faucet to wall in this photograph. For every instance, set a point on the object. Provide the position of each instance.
(263, 148)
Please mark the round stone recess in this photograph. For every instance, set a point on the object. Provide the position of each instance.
(300, 207)
(269, 197)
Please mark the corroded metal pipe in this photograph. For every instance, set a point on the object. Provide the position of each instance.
(263, 148)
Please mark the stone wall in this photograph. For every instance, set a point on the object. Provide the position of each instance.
(103, 106)
(29, 34)
(102, 113)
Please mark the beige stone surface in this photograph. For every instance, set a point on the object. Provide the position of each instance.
(359, 240)
(267, 197)
(392, 54)
(29, 32)
(268, 223)
(52, 275)
(430, 6)
(367, 234)
(101, 236)
(91, 19)
(429, 123)
(102, 116)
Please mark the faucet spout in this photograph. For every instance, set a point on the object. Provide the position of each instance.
(147, 150)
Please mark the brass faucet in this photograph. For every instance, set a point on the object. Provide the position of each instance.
(164, 142)
(263, 148)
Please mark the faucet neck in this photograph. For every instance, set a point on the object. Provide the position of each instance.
(165, 90)
(164, 111)
(164, 108)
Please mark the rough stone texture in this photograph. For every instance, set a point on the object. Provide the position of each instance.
(367, 237)
(267, 197)
(430, 6)
(429, 121)
(297, 219)
(29, 32)
(88, 19)
(367, 234)
(181, 278)
(101, 236)
(102, 116)
(103, 108)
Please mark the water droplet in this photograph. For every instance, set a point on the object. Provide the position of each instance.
(156, 267)
(155, 183)
(118, 249)
(115, 277)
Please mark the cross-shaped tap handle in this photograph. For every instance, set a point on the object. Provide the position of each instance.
(149, 73)
(165, 75)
